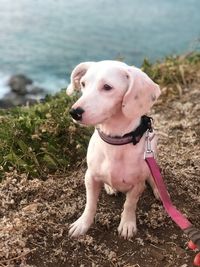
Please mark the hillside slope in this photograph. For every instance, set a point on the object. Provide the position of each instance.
(35, 213)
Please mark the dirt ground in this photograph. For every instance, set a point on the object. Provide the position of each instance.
(35, 214)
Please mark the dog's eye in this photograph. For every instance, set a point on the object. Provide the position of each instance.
(107, 87)
(83, 84)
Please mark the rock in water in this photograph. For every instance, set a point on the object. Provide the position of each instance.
(18, 84)
(35, 90)
(23, 92)
(12, 99)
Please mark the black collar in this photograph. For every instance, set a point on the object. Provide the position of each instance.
(132, 137)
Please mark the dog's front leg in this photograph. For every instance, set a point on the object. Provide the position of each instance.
(127, 227)
(93, 189)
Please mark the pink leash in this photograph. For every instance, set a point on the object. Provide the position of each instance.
(176, 215)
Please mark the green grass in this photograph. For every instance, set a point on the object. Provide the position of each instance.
(42, 138)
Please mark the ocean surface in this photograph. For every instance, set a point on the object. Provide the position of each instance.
(45, 39)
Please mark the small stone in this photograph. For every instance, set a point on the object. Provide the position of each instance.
(31, 208)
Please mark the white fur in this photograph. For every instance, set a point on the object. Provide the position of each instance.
(116, 112)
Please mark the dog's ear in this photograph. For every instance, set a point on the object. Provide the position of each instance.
(76, 75)
(141, 94)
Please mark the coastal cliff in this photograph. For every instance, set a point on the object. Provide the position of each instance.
(43, 136)
(42, 164)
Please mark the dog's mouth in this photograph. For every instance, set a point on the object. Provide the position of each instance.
(81, 124)
(91, 121)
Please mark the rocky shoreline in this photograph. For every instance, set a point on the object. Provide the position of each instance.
(23, 91)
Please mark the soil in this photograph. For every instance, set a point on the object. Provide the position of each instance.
(35, 214)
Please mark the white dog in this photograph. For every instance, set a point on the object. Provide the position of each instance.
(114, 98)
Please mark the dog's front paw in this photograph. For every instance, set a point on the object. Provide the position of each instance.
(127, 229)
(79, 227)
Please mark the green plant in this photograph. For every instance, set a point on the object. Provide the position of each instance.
(41, 138)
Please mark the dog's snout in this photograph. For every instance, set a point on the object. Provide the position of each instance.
(76, 113)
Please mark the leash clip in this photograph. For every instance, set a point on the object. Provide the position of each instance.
(148, 150)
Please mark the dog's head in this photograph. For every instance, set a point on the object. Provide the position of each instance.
(110, 87)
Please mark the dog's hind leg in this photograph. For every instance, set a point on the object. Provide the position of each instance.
(110, 190)
(151, 182)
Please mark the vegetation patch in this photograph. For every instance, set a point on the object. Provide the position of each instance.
(41, 138)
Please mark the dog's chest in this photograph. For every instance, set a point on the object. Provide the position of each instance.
(119, 166)
(122, 171)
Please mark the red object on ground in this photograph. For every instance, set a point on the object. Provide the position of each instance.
(191, 245)
(172, 211)
(197, 260)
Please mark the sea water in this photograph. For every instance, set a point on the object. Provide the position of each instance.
(45, 39)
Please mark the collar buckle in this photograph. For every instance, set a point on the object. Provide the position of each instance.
(148, 151)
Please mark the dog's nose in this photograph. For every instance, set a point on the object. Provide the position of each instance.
(76, 113)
